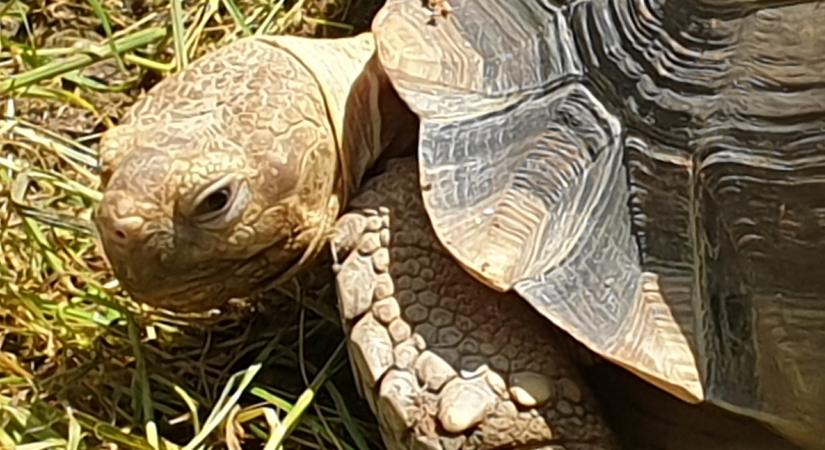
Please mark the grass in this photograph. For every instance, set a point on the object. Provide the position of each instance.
(81, 366)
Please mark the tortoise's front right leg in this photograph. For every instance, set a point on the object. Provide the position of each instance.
(445, 362)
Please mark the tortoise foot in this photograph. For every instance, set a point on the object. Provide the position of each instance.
(444, 361)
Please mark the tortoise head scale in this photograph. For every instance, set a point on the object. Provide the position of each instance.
(228, 177)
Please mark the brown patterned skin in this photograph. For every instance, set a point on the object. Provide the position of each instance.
(195, 189)
(445, 361)
(229, 175)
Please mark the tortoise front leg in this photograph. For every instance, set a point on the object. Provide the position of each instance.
(445, 362)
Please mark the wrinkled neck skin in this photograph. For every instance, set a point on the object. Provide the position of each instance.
(369, 118)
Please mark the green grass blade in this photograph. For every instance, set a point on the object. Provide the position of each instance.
(145, 392)
(110, 433)
(43, 445)
(179, 35)
(81, 60)
(192, 404)
(107, 28)
(75, 431)
(269, 19)
(70, 150)
(304, 401)
(224, 404)
(204, 15)
(237, 16)
(352, 428)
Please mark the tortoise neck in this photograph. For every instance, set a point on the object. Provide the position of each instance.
(374, 124)
(367, 116)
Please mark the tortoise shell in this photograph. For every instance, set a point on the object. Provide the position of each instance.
(649, 175)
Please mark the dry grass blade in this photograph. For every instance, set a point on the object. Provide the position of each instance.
(225, 403)
(179, 35)
(237, 16)
(81, 366)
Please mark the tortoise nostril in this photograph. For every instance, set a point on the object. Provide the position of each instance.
(124, 228)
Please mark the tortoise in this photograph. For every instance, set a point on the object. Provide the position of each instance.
(499, 182)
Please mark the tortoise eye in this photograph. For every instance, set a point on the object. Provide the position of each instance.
(214, 202)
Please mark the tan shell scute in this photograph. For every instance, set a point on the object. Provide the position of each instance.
(467, 57)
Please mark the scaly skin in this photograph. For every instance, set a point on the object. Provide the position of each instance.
(280, 129)
(433, 349)
(286, 128)
(289, 127)
(444, 361)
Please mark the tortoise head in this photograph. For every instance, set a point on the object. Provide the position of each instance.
(219, 180)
